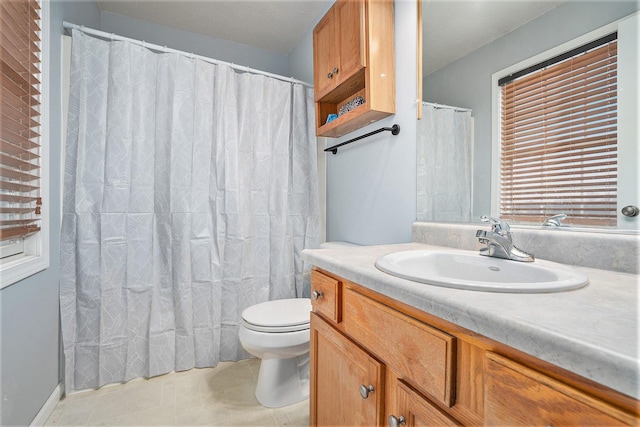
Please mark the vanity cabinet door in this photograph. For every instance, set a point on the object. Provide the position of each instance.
(346, 382)
(519, 396)
(415, 410)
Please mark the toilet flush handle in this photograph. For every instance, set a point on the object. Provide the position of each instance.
(317, 294)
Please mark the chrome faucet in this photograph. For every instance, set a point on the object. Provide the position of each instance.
(499, 241)
(554, 221)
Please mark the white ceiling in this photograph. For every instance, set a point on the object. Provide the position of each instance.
(274, 25)
(452, 28)
(455, 28)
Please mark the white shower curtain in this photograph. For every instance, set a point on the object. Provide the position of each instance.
(444, 165)
(190, 191)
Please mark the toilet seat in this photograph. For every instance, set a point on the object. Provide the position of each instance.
(285, 315)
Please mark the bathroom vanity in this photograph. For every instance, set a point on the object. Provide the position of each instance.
(389, 351)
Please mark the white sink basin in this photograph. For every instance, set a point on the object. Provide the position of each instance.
(469, 270)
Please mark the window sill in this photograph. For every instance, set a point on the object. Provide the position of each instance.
(20, 267)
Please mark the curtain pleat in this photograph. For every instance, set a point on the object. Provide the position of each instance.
(444, 166)
(190, 191)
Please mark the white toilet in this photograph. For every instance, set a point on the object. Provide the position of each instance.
(278, 333)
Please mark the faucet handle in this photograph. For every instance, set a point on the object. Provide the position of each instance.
(554, 221)
(497, 225)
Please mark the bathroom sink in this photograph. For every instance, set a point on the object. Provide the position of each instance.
(471, 271)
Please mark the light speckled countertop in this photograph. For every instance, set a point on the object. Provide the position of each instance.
(592, 331)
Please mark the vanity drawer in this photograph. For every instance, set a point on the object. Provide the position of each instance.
(419, 411)
(519, 396)
(326, 296)
(413, 349)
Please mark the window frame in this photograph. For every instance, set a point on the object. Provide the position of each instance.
(35, 255)
(624, 143)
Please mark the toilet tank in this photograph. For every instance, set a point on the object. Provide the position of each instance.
(336, 245)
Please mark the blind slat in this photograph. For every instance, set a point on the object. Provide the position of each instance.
(15, 151)
(19, 164)
(580, 110)
(569, 129)
(561, 105)
(22, 128)
(11, 99)
(579, 59)
(563, 146)
(17, 186)
(19, 36)
(5, 222)
(575, 91)
(11, 198)
(546, 85)
(19, 140)
(16, 175)
(13, 232)
(568, 116)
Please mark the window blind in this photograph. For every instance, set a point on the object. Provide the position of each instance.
(19, 118)
(559, 141)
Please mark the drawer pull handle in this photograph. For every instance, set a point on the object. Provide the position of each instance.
(317, 294)
(396, 422)
(366, 391)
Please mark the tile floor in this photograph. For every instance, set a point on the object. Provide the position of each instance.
(220, 396)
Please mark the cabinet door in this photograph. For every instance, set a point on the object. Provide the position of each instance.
(415, 410)
(350, 15)
(325, 54)
(346, 382)
(518, 396)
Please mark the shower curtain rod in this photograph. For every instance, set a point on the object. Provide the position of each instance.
(158, 48)
(434, 105)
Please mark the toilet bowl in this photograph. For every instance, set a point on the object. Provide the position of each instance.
(278, 333)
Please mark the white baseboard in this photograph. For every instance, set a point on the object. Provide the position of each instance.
(48, 406)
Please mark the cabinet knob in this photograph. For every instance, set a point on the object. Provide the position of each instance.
(317, 294)
(366, 391)
(330, 75)
(335, 70)
(396, 422)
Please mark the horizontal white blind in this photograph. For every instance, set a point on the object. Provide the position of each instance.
(559, 141)
(19, 118)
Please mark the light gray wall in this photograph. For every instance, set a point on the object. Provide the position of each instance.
(29, 315)
(371, 184)
(300, 59)
(467, 82)
(194, 43)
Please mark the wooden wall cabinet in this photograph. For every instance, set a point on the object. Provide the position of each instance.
(376, 362)
(353, 55)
